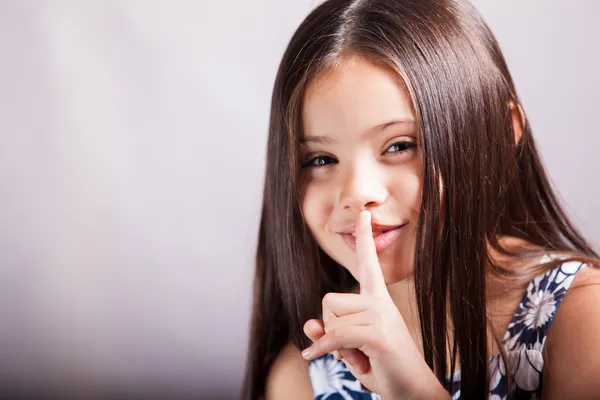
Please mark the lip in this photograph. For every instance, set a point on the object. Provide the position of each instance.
(382, 241)
(374, 227)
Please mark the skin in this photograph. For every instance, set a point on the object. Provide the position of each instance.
(351, 164)
(370, 334)
(355, 160)
(359, 153)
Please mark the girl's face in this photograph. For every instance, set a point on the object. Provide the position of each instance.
(360, 152)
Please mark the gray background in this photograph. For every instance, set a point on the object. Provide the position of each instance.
(131, 167)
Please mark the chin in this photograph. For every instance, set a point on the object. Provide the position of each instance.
(394, 267)
(392, 277)
(396, 271)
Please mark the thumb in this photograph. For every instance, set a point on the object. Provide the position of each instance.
(314, 329)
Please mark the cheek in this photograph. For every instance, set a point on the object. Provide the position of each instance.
(407, 189)
(316, 207)
(415, 192)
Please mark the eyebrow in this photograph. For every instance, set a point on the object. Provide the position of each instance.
(375, 129)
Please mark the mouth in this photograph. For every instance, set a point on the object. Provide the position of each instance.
(383, 236)
(375, 234)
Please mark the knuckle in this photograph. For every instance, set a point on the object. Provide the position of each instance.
(336, 335)
(329, 326)
(327, 298)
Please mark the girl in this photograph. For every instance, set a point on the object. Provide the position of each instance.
(410, 241)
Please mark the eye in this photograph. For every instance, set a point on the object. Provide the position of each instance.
(320, 161)
(400, 147)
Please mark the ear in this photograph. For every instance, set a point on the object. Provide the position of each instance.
(518, 119)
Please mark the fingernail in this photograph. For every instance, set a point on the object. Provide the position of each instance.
(307, 353)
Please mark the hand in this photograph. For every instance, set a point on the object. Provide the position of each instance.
(368, 332)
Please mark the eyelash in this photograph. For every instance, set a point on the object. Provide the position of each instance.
(407, 147)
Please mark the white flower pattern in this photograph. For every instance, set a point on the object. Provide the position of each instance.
(331, 380)
(543, 305)
(524, 342)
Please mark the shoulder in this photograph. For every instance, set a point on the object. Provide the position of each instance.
(289, 377)
(572, 350)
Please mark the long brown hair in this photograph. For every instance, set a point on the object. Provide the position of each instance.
(460, 86)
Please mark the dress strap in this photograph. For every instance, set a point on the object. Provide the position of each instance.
(531, 322)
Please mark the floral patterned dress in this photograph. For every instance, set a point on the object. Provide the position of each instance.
(524, 342)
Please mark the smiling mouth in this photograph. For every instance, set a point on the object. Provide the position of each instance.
(382, 238)
(378, 233)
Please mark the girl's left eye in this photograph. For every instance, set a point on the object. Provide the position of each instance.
(400, 147)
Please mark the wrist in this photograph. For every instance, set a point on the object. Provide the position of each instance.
(427, 387)
(436, 392)
(430, 389)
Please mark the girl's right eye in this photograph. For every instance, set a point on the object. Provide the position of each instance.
(320, 161)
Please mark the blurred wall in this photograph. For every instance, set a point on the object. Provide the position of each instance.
(133, 140)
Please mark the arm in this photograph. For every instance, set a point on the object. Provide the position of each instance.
(288, 377)
(572, 350)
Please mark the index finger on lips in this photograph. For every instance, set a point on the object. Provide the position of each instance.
(370, 275)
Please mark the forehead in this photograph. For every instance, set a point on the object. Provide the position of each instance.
(354, 97)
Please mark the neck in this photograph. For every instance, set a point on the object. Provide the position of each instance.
(503, 296)
(403, 295)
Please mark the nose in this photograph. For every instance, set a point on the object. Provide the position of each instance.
(363, 188)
